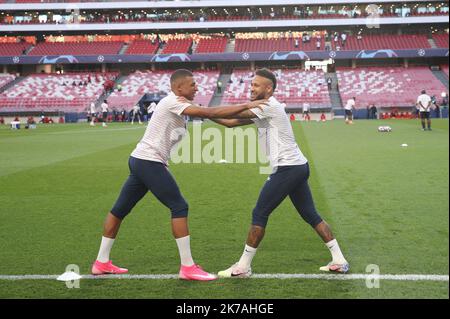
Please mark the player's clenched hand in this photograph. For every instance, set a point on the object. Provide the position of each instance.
(257, 104)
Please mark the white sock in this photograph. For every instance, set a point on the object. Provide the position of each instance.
(247, 256)
(184, 247)
(336, 253)
(105, 249)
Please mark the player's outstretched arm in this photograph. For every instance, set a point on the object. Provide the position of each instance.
(240, 119)
(221, 112)
(233, 122)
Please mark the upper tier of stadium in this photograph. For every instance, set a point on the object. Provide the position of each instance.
(216, 43)
(185, 15)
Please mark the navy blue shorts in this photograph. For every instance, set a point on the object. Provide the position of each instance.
(154, 177)
(289, 181)
(425, 115)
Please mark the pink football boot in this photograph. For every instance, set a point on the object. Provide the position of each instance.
(99, 268)
(195, 272)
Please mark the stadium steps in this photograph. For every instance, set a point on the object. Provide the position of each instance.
(194, 46)
(160, 49)
(124, 49)
(217, 98)
(12, 83)
(29, 49)
(432, 43)
(335, 96)
(231, 45)
(441, 76)
(105, 96)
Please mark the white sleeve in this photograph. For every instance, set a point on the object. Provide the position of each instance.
(178, 108)
(261, 114)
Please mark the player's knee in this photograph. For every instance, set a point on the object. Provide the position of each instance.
(260, 218)
(180, 211)
(119, 213)
(312, 217)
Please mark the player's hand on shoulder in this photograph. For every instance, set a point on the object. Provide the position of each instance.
(182, 99)
(258, 104)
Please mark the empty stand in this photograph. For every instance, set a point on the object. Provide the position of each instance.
(281, 44)
(140, 83)
(142, 47)
(377, 42)
(294, 88)
(74, 48)
(13, 49)
(5, 79)
(177, 46)
(214, 45)
(441, 40)
(387, 86)
(51, 92)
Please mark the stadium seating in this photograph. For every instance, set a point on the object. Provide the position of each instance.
(214, 45)
(387, 86)
(140, 83)
(47, 92)
(377, 42)
(5, 79)
(441, 40)
(177, 46)
(73, 48)
(142, 47)
(270, 45)
(13, 49)
(295, 87)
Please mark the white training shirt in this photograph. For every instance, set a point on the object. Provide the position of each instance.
(350, 104)
(104, 107)
(426, 102)
(305, 107)
(165, 130)
(276, 137)
(93, 110)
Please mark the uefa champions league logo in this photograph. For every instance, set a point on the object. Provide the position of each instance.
(246, 56)
(421, 52)
(16, 59)
(101, 58)
(333, 54)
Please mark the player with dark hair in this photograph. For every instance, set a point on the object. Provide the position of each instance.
(149, 171)
(289, 178)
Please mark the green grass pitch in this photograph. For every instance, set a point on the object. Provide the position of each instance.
(387, 204)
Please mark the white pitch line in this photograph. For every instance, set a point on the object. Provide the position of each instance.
(406, 277)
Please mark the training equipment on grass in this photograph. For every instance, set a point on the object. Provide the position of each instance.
(384, 129)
